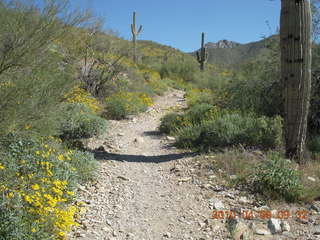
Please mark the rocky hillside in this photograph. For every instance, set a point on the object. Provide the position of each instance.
(229, 53)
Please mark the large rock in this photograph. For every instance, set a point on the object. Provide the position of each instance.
(216, 203)
(285, 226)
(239, 230)
(261, 231)
(274, 225)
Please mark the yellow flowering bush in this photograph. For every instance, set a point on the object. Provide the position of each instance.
(150, 75)
(37, 182)
(122, 104)
(6, 84)
(196, 96)
(79, 95)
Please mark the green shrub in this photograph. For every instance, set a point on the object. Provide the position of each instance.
(78, 121)
(201, 112)
(197, 114)
(188, 136)
(197, 96)
(275, 178)
(232, 129)
(170, 123)
(32, 99)
(179, 68)
(159, 87)
(122, 104)
(85, 164)
(37, 181)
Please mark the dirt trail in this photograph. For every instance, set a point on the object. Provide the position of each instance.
(137, 196)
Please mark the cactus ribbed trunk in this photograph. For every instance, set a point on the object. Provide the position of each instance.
(295, 35)
(202, 55)
(135, 33)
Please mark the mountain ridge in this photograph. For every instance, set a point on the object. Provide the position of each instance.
(222, 44)
(228, 53)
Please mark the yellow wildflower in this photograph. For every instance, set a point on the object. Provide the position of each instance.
(61, 234)
(35, 187)
(28, 199)
(10, 195)
(70, 193)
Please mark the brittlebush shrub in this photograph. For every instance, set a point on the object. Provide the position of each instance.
(122, 104)
(79, 95)
(170, 123)
(196, 96)
(78, 121)
(38, 177)
(197, 114)
(231, 129)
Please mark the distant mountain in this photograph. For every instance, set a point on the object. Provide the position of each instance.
(222, 44)
(229, 54)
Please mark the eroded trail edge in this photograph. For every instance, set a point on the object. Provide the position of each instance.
(137, 196)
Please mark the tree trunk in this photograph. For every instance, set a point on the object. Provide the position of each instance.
(295, 42)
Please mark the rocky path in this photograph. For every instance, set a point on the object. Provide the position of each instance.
(148, 190)
(137, 196)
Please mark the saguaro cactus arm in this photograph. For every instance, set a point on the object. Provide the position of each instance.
(133, 26)
(135, 33)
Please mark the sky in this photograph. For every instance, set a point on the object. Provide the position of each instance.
(179, 23)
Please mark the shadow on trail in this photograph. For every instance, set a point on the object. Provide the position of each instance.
(101, 155)
(153, 134)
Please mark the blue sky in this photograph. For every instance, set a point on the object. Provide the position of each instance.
(179, 23)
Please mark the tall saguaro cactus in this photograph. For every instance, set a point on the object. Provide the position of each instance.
(202, 54)
(135, 34)
(295, 43)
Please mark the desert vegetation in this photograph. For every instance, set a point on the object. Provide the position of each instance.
(62, 77)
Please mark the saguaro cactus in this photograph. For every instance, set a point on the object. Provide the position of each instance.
(135, 34)
(295, 43)
(202, 54)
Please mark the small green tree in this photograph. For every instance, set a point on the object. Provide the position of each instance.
(27, 31)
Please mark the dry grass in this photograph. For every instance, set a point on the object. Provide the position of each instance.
(312, 188)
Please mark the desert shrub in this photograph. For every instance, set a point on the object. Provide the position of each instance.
(79, 95)
(78, 121)
(38, 177)
(197, 114)
(201, 112)
(198, 96)
(31, 98)
(232, 129)
(122, 104)
(158, 87)
(276, 178)
(188, 136)
(179, 68)
(170, 123)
